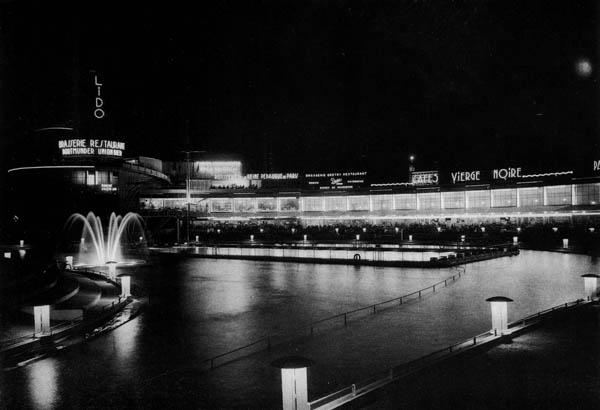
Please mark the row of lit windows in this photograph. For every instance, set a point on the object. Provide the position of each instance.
(93, 177)
(583, 194)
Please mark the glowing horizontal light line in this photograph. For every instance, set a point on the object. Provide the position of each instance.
(394, 184)
(548, 174)
(55, 128)
(416, 216)
(50, 167)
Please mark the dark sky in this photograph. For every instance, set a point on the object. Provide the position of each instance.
(323, 85)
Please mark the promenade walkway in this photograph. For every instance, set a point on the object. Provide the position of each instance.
(554, 367)
(81, 303)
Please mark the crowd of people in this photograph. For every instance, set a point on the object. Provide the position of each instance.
(536, 235)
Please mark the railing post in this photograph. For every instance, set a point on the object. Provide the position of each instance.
(434, 288)
(400, 299)
(345, 320)
(419, 294)
(474, 340)
(374, 309)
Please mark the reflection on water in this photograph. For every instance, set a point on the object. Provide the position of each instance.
(126, 339)
(200, 308)
(42, 383)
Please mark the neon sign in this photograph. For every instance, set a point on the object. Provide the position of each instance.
(98, 112)
(499, 173)
(506, 173)
(465, 176)
(425, 178)
(76, 147)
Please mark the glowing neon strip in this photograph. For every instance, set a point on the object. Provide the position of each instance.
(51, 167)
(395, 184)
(549, 174)
(415, 216)
(55, 129)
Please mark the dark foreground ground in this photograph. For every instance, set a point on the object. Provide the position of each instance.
(556, 366)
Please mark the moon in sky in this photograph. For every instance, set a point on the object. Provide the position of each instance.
(583, 67)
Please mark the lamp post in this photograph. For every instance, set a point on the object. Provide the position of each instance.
(294, 383)
(187, 192)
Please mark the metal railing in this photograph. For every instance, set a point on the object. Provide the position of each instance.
(61, 327)
(309, 330)
(381, 379)
(70, 323)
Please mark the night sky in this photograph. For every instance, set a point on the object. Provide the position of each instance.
(322, 85)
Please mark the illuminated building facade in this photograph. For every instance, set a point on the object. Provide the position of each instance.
(57, 170)
(462, 196)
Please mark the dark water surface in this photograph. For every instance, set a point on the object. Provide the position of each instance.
(202, 307)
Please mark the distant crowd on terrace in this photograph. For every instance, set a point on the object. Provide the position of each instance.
(582, 234)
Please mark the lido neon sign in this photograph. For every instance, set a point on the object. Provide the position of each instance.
(98, 112)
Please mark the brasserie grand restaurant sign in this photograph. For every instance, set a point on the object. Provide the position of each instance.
(91, 147)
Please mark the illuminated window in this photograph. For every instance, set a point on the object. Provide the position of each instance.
(531, 196)
(289, 204)
(478, 199)
(313, 203)
(200, 205)
(244, 205)
(78, 177)
(91, 178)
(175, 203)
(221, 205)
(155, 203)
(102, 177)
(266, 204)
(405, 201)
(453, 200)
(358, 203)
(558, 195)
(429, 200)
(502, 198)
(382, 202)
(587, 194)
(335, 203)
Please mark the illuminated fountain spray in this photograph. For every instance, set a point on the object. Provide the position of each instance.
(107, 247)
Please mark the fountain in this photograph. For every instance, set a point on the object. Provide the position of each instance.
(104, 248)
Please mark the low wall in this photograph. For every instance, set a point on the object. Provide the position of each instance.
(348, 256)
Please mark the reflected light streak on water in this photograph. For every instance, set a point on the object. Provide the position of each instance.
(126, 341)
(42, 383)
